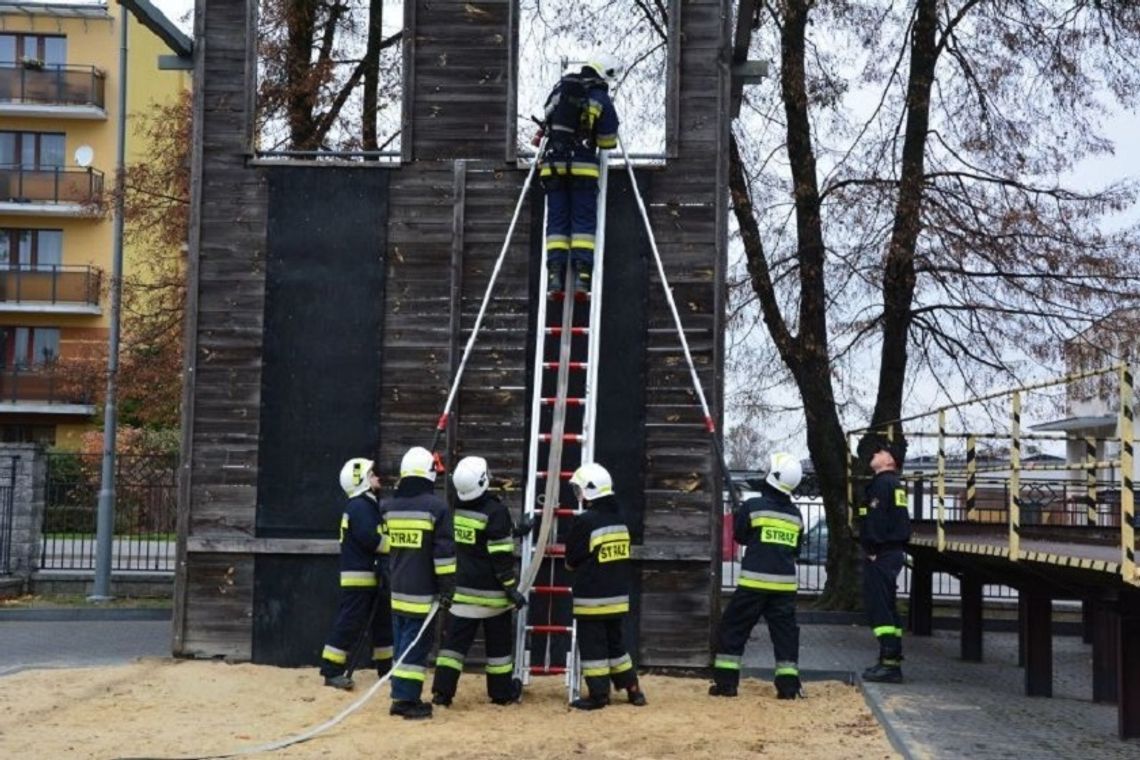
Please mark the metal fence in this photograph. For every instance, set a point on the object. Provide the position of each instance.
(145, 512)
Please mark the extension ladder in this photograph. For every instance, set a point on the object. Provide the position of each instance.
(563, 427)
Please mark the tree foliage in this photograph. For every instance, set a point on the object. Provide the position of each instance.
(902, 191)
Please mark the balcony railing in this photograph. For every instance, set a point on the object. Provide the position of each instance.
(53, 284)
(22, 184)
(52, 84)
(44, 384)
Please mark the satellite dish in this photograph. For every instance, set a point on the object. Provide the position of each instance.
(83, 155)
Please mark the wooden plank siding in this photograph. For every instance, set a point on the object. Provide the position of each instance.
(446, 225)
(224, 319)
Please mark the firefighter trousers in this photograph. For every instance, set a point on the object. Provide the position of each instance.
(744, 611)
(408, 679)
(459, 634)
(880, 579)
(571, 220)
(604, 659)
(356, 604)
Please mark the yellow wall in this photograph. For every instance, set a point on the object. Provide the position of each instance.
(92, 42)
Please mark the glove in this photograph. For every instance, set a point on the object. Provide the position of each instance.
(516, 598)
(525, 526)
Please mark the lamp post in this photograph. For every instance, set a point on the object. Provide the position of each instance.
(105, 520)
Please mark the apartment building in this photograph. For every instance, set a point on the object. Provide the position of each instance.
(59, 84)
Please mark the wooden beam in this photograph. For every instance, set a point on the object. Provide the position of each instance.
(922, 597)
(1128, 670)
(1105, 652)
(208, 545)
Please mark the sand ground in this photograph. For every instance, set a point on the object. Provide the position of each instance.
(171, 708)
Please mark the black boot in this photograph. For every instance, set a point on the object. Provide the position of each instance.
(590, 703)
(442, 700)
(516, 694)
(884, 672)
(722, 690)
(342, 682)
(410, 709)
(583, 280)
(555, 280)
(636, 696)
(788, 687)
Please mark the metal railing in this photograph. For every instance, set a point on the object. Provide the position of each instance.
(50, 184)
(54, 284)
(46, 384)
(145, 512)
(53, 84)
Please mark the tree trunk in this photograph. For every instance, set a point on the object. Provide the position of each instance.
(300, 21)
(372, 74)
(899, 274)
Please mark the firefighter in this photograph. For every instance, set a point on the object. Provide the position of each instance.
(770, 528)
(363, 589)
(580, 119)
(485, 578)
(884, 531)
(597, 553)
(423, 571)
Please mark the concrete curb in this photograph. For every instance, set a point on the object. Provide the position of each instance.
(880, 713)
(83, 614)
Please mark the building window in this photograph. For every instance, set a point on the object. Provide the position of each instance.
(28, 347)
(50, 50)
(41, 434)
(30, 249)
(32, 150)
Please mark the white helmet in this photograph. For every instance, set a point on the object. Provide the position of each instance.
(591, 481)
(607, 66)
(418, 463)
(784, 472)
(354, 476)
(471, 478)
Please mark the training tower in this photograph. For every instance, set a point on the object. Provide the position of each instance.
(329, 304)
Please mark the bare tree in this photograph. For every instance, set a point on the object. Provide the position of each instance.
(915, 158)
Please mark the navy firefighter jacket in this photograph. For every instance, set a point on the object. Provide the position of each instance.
(597, 552)
(363, 547)
(770, 527)
(422, 551)
(484, 550)
(884, 521)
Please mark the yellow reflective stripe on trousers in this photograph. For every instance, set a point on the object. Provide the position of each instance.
(606, 609)
(332, 654)
(887, 630)
(419, 605)
(497, 666)
(410, 672)
(382, 653)
(357, 579)
(621, 664)
(595, 668)
(448, 662)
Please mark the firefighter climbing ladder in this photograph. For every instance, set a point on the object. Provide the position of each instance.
(563, 423)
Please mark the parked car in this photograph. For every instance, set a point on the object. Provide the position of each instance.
(814, 551)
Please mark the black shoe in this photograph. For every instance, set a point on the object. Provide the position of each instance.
(410, 709)
(722, 690)
(590, 703)
(637, 698)
(441, 699)
(788, 687)
(555, 281)
(342, 682)
(516, 694)
(881, 673)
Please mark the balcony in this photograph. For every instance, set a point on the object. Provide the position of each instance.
(52, 91)
(50, 191)
(51, 290)
(45, 389)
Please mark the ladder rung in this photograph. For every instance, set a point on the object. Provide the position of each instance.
(552, 590)
(572, 365)
(556, 550)
(579, 297)
(565, 474)
(550, 628)
(566, 512)
(573, 331)
(547, 670)
(566, 437)
(549, 401)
